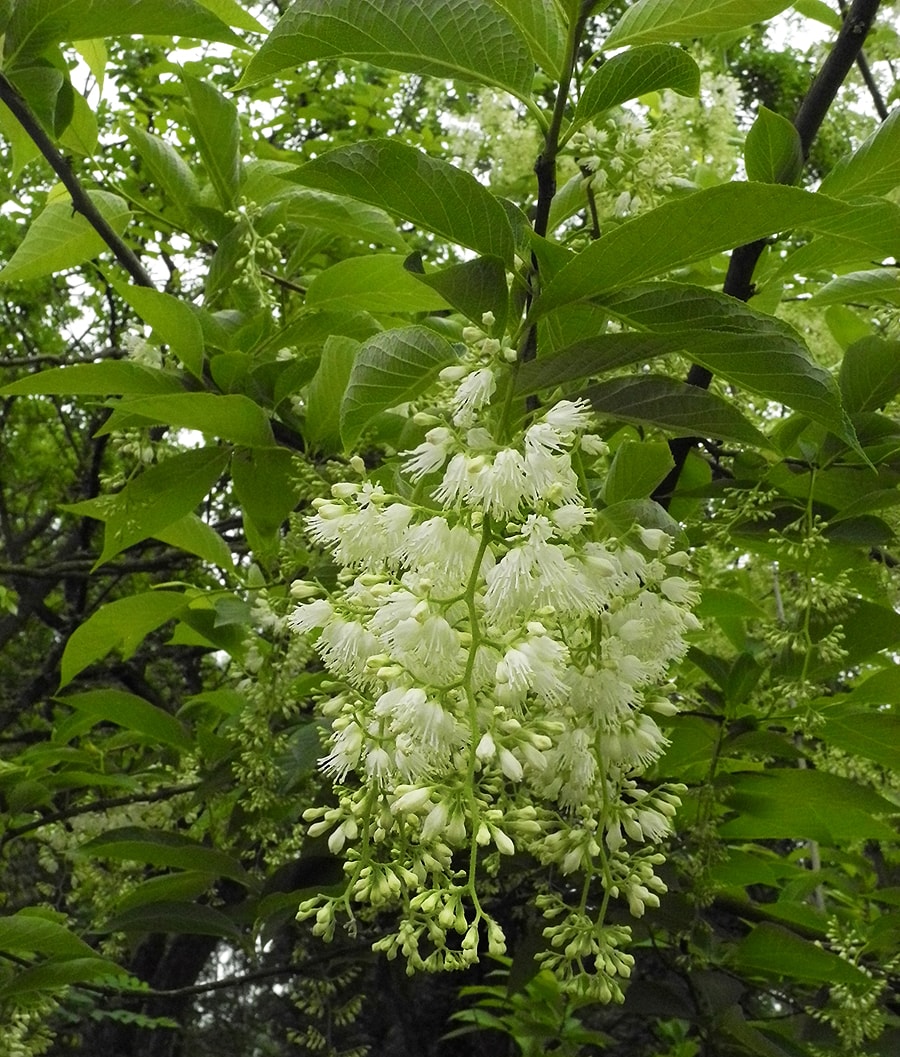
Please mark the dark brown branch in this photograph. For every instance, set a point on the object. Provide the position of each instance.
(81, 201)
(97, 806)
(739, 278)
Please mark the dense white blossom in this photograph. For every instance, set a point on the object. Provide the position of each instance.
(500, 662)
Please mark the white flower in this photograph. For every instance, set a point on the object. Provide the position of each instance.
(311, 615)
(474, 393)
(430, 455)
(345, 647)
(569, 416)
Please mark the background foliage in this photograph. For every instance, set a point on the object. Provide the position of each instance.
(233, 238)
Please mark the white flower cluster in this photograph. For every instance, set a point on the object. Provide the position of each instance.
(499, 666)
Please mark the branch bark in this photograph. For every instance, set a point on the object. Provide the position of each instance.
(739, 278)
(81, 201)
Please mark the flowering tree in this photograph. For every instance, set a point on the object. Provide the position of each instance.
(448, 524)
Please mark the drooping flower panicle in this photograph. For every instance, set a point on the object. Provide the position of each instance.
(498, 662)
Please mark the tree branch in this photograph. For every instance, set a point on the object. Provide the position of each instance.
(81, 201)
(739, 278)
(98, 805)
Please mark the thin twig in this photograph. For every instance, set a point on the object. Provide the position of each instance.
(98, 805)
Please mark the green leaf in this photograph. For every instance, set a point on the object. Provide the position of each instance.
(133, 713)
(873, 169)
(106, 378)
(167, 888)
(38, 23)
(60, 238)
(154, 500)
(81, 133)
(714, 602)
(799, 804)
(426, 191)
(342, 215)
(863, 235)
(540, 24)
(819, 11)
(234, 14)
(326, 391)
(682, 231)
(233, 417)
(673, 406)
(376, 283)
(164, 849)
(469, 40)
(872, 735)
(122, 625)
(166, 167)
(265, 486)
(58, 975)
(872, 285)
(187, 919)
(30, 932)
(773, 362)
(650, 21)
(173, 320)
(390, 369)
(217, 130)
(773, 152)
(636, 470)
(23, 146)
(775, 951)
(473, 287)
(635, 72)
(870, 374)
(193, 535)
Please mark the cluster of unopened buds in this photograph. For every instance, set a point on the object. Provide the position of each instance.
(498, 668)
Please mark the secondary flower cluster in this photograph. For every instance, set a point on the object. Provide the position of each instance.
(498, 667)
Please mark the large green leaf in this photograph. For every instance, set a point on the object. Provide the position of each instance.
(862, 236)
(873, 169)
(864, 287)
(326, 391)
(682, 231)
(169, 171)
(636, 470)
(427, 191)
(122, 625)
(193, 535)
(232, 417)
(390, 369)
(676, 407)
(636, 72)
(133, 713)
(105, 378)
(164, 848)
(773, 152)
(872, 735)
(870, 374)
(57, 974)
(265, 486)
(774, 365)
(799, 804)
(775, 951)
(375, 283)
(38, 23)
(342, 215)
(60, 238)
(217, 131)
(185, 919)
(542, 27)
(155, 499)
(650, 21)
(172, 319)
(30, 931)
(472, 287)
(467, 39)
